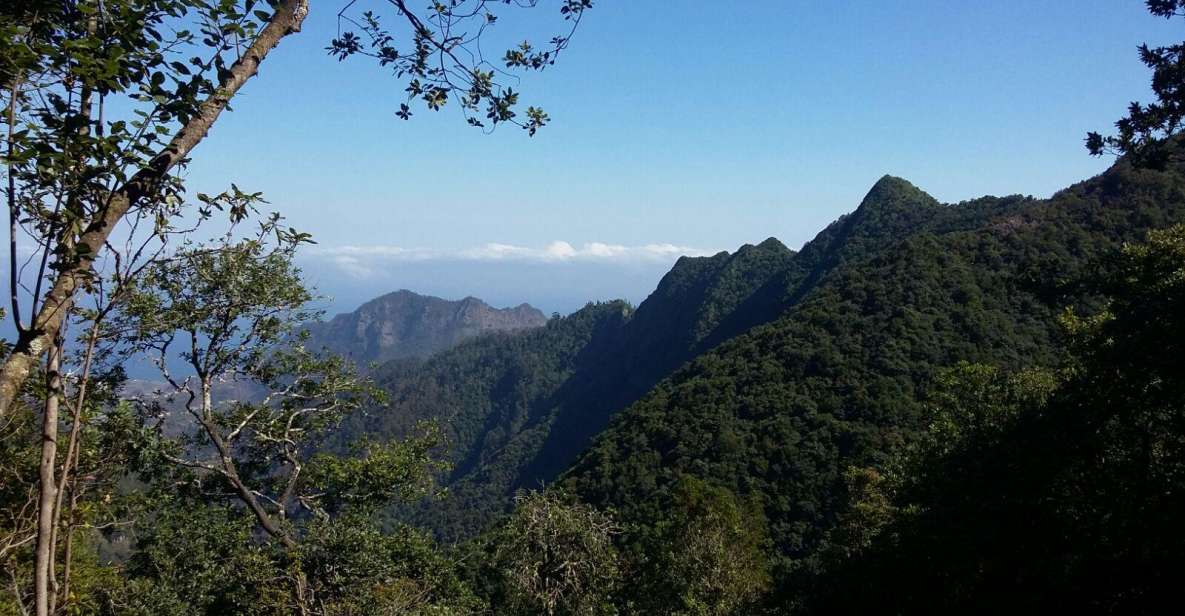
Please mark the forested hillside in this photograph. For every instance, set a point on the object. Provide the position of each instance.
(517, 409)
(939, 408)
(1054, 490)
(848, 333)
(778, 416)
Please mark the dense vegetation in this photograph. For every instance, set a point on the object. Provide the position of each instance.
(1049, 490)
(929, 408)
(861, 317)
(837, 457)
(790, 424)
(517, 409)
(781, 413)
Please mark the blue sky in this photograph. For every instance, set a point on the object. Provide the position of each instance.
(678, 127)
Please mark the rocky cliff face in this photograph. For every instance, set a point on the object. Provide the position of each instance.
(404, 324)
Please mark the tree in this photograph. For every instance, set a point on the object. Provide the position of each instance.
(75, 171)
(101, 106)
(227, 315)
(77, 385)
(1143, 133)
(57, 548)
(708, 555)
(557, 557)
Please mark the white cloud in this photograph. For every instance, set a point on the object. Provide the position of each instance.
(352, 266)
(666, 250)
(559, 251)
(599, 250)
(366, 261)
(489, 252)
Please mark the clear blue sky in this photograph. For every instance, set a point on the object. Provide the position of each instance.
(701, 125)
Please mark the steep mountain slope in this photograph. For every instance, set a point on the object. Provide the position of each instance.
(869, 310)
(1042, 491)
(405, 324)
(518, 409)
(804, 364)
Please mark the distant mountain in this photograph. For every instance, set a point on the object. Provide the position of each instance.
(404, 324)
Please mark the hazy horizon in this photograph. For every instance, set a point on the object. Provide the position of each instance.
(777, 132)
(796, 111)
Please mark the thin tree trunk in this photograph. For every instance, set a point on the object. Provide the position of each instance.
(17, 594)
(302, 592)
(13, 214)
(48, 321)
(84, 108)
(71, 461)
(43, 575)
(68, 551)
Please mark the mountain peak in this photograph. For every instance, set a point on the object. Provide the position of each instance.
(772, 243)
(891, 190)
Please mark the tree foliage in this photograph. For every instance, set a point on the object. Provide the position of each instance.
(246, 482)
(1143, 134)
(558, 557)
(894, 293)
(440, 56)
(1068, 501)
(706, 556)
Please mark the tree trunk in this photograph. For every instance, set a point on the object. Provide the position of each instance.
(43, 575)
(68, 550)
(67, 478)
(13, 214)
(48, 321)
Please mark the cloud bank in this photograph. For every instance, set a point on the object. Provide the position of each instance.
(365, 261)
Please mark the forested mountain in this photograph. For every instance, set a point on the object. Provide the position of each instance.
(1042, 490)
(518, 409)
(930, 408)
(780, 414)
(405, 324)
(802, 364)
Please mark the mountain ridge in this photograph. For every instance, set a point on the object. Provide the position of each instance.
(778, 414)
(885, 294)
(700, 303)
(535, 409)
